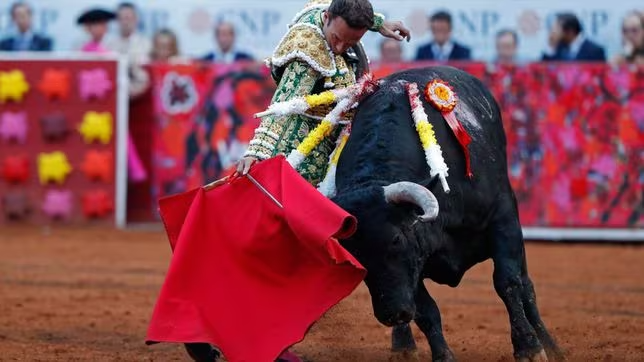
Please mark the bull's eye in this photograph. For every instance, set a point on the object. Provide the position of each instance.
(397, 241)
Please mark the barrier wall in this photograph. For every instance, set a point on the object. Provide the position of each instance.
(61, 140)
(575, 137)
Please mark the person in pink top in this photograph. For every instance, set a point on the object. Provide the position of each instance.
(95, 22)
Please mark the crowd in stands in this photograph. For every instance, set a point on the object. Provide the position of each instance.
(566, 42)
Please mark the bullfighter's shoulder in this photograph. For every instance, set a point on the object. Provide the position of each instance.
(305, 41)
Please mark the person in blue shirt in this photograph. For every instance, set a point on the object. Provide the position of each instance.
(442, 48)
(25, 38)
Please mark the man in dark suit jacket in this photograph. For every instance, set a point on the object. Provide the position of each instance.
(226, 53)
(567, 43)
(442, 48)
(26, 39)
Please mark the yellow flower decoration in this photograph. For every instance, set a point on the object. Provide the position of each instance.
(336, 155)
(13, 85)
(426, 133)
(323, 98)
(315, 137)
(53, 166)
(440, 95)
(97, 127)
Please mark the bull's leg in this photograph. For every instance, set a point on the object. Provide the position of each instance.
(532, 312)
(402, 340)
(428, 319)
(509, 263)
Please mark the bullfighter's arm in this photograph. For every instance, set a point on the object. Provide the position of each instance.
(298, 80)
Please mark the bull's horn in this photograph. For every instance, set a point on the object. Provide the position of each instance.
(414, 193)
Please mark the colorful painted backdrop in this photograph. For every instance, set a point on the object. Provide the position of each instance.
(57, 141)
(575, 134)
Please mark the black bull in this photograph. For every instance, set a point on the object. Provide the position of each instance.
(382, 179)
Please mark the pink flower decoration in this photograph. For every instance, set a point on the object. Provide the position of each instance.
(57, 204)
(13, 126)
(94, 83)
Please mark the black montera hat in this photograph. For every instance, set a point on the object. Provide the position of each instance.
(93, 16)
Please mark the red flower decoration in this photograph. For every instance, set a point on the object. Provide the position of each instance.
(97, 204)
(441, 95)
(15, 169)
(98, 166)
(55, 84)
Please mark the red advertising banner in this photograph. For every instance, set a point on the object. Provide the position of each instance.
(58, 130)
(575, 133)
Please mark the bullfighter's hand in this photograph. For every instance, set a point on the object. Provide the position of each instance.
(244, 165)
(395, 30)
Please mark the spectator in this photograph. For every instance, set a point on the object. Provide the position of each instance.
(165, 46)
(390, 51)
(25, 39)
(507, 43)
(95, 22)
(632, 37)
(226, 51)
(135, 46)
(568, 43)
(129, 41)
(442, 47)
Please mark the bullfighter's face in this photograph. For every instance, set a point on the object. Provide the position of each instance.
(339, 35)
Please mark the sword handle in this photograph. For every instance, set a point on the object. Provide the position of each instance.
(216, 183)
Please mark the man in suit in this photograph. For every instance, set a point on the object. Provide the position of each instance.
(568, 43)
(226, 52)
(507, 45)
(442, 48)
(25, 39)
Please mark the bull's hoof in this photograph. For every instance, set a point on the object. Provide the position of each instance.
(405, 356)
(539, 357)
(202, 352)
(446, 356)
(402, 339)
(555, 354)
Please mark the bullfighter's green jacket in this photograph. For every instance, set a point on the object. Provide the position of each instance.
(304, 64)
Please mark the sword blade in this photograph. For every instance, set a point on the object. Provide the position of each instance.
(264, 191)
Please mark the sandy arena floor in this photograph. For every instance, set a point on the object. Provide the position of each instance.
(87, 295)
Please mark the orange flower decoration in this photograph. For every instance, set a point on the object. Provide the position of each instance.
(55, 84)
(440, 95)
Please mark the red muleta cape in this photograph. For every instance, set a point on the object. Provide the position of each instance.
(246, 275)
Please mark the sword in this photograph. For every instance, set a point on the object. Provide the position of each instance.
(261, 188)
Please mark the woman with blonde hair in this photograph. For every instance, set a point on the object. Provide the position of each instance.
(165, 47)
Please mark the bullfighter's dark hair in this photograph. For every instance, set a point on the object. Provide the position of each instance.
(442, 15)
(510, 32)
(357, 13)
(569, 22)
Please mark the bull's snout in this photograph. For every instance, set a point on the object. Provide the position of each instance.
(403, 316)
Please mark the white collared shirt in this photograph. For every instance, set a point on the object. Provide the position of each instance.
(225, 58)
(137, 47)
(442, 53)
